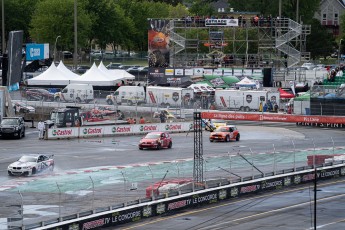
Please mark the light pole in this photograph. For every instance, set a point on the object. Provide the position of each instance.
(339, 50)
(55, 47)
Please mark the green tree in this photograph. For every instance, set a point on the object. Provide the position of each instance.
(56, 17)
(178, 11)
(320, 43)
(202, 8)
(23, 11)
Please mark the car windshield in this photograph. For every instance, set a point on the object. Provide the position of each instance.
(9, 122)
(222, 129)
(27, 159)
(152, 136)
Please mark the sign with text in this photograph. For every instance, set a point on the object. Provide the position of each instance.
(37, 51)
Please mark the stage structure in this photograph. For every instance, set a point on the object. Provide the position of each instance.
(224, 43)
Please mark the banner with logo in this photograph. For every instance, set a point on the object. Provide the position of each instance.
(221, 22)
(158, 43)
(63, 133)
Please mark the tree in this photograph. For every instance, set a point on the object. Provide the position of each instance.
(55, 17)
(23, 11)
(320, 43)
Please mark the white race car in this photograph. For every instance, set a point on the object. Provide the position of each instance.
(31, 164)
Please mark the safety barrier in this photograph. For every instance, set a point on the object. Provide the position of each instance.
(111, 130)
(114, 216)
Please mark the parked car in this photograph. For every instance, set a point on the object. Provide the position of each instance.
(82, 69)
(214, 124)
(225, 133)
(156, 140)
(31, 164)
(21, 107)
(67, 54)
(308, 65)
(97, 54)
(38, 95)
(109, 55)
(12, 126)
(114, 66)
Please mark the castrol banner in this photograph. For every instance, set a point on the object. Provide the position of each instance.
(112, 130)
(62, 133)
(273, 117)
(91, 131)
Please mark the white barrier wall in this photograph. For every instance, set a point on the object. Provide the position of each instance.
(111, 130)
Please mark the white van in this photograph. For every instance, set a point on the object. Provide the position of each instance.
(75, 93)
(129, 95)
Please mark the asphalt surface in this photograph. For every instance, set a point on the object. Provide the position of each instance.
(105, 165)
(284, 209)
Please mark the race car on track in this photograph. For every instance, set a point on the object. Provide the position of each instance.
(225, 133)
(31, 164)
(156, 140)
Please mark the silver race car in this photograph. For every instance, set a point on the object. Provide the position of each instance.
(31, 164)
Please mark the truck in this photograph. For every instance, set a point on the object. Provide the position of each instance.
(75, 93)
(246, 100)
(168, 96)
(65, 117)
(130, 95)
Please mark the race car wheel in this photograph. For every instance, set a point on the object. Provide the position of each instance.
(159, 146)
(9, 173)
(140, 148)
(33, 171)
(227, 138)
(19, 134)
(247, 109)
(109, 102)
(170, 145)
(78, 100)
(57, 99)
(130, 103)
(211, 140)
(23, 132)
(238, 137)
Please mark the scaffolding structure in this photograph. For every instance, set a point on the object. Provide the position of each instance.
(268, 43)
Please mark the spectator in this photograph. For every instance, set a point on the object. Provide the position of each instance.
(40, 127)
(142, 120)
(162, 117)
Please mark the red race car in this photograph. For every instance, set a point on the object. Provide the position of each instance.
(156, 140)
(225, 133)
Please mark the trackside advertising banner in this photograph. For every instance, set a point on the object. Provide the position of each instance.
(167, 206)
(109, 130)
(273, 117)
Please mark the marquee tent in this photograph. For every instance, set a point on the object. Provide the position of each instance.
(246, 82)
(230, 79)
(284, 94)
(109, 73)
(121, 73)
(95, 77)
(68, 73)
(51, 77)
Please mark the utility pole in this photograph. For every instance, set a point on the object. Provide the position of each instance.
(75, 56)
(315, 197)
(3, 27)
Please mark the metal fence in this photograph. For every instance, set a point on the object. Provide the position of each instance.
(72, 194)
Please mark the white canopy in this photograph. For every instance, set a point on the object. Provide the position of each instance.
(52, 76)
(110, 74)
(69, 74)
(122, 73)
(246, 82)
(95, 77)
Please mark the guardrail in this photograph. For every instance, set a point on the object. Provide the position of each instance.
(168, 203)
(111, 130)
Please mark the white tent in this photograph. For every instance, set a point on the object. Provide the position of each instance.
(69, 74)
(110, 74)
(95, 77)
(52, 76)
(246, 82)
(122, 73)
